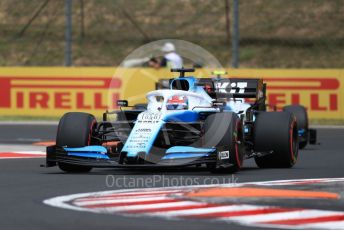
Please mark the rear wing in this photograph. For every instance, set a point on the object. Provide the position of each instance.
(236, 87)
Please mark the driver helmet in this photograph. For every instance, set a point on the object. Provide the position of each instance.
(177, 103)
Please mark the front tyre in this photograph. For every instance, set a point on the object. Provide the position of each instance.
(276, 136)
(75, 130)
(224, 131)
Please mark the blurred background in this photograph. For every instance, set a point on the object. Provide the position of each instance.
(271, 33)
(296, 46)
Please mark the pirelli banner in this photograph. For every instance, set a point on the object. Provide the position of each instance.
(50, 91)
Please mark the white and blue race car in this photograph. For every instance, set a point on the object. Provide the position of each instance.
(215, 122)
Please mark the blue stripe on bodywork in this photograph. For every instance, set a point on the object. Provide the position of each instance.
(94, 151)
(184, 155)
(182, 116)
(92, 148)
(180, 152)
(91, 155)
(187, 149)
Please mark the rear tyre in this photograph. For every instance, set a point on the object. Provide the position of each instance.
(276, 132)
(301, 116)
(224, 131)
(74, 130)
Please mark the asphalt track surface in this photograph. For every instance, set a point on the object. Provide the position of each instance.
(24, 184)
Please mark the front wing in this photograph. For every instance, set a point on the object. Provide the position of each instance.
(86, 157)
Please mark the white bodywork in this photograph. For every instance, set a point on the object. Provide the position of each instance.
(195, 100)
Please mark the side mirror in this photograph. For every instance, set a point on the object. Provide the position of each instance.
(122, 103)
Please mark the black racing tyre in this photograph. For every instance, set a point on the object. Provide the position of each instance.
(300, 113)
(224, 131)
(74, 130)
(276, 132)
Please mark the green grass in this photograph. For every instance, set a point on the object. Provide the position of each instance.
(274, 34)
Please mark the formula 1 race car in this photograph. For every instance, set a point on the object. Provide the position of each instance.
(216, 122)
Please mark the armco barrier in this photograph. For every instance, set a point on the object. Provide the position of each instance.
(52, 91)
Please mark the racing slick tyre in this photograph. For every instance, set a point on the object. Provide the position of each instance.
(300, 113)
(74, 130)
(275, 134)
(224, 131)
